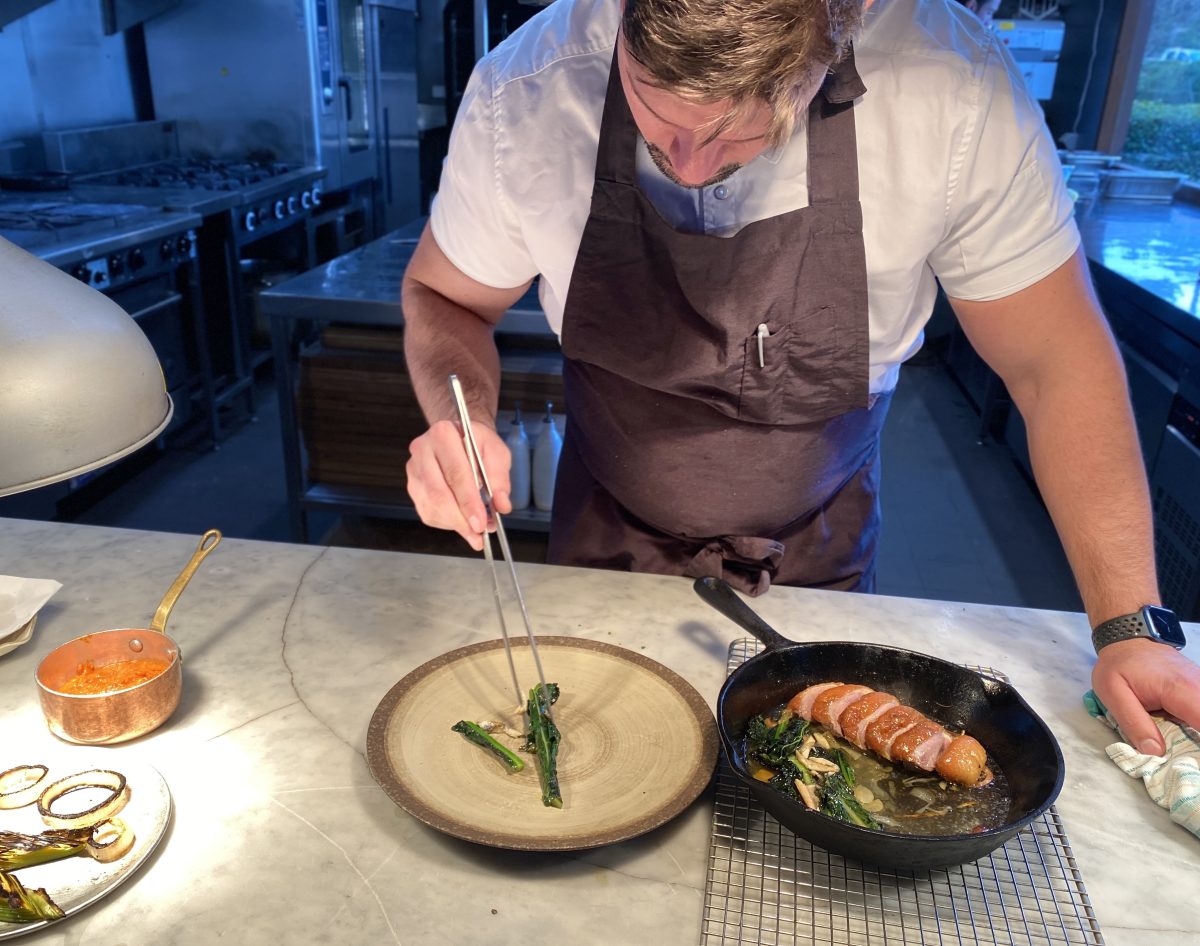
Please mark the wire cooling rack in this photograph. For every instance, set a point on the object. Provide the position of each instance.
(768, 887)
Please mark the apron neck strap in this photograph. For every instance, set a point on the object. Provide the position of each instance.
(832, 173)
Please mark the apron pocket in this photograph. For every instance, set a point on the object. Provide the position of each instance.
(800, 377)
(765, 373)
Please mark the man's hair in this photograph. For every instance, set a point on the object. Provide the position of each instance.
(746, 51)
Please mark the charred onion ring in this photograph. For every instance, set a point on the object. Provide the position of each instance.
(26, 792)
(106, 851)
(93, 778)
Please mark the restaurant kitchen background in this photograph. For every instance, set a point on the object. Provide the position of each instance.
(248, 177)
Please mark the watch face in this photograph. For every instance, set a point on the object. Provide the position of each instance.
(1166, 626)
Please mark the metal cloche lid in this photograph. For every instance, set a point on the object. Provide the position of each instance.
(80, 384)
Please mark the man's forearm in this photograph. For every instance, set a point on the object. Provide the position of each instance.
(442, 338)
(1085, 455)
(1051, 345)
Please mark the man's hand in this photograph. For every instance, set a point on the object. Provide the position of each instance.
(442, 486)
(1134, 678)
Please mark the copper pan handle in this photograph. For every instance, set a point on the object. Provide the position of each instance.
(208, 542)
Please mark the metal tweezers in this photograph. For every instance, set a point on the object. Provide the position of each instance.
(475, 459)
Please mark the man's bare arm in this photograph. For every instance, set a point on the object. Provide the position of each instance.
(449, 326)
(1051, 345)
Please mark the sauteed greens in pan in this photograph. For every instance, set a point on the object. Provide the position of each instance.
(828, 774)
(784, 753)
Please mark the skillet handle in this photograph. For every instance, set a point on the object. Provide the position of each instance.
(721, 596)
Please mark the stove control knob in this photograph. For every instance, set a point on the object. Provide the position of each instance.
(316, 195)
(291, 205)
(137, 259)
(116, 265)
(82, 273)
(99, 276)
(251, 220)
(306, 200)
(167, 250)
(279, 214)
(184, 245)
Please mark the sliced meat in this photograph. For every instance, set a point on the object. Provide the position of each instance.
(921, 745)
(828, 706)
(874, 720)
(964, 762)
(883, 732)
(856, 717)
(802, 703)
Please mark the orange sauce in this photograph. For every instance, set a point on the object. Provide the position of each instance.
(122, 675)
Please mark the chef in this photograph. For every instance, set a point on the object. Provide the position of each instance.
(737, 210)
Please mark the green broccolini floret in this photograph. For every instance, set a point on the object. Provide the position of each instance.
(478, 735)
(543, 740)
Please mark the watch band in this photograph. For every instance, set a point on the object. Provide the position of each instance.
(1119, 629)
(1150, 621)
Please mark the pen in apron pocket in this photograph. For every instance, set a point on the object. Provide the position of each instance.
(762, 332)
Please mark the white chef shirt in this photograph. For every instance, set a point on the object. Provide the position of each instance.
(958, 176)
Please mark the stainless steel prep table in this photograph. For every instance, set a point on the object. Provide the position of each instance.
(361, 288)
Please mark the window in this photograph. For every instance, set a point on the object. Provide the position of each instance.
(1164, 122)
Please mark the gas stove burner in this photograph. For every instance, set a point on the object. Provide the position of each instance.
(206, 174)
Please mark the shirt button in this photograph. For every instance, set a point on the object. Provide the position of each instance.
(720, 192)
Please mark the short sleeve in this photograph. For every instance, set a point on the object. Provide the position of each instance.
(1010, 220)
(472, 221)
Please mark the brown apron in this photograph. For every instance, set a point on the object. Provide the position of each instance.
(685, 452)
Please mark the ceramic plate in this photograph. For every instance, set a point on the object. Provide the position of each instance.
(638, 745)
(18, 637)
(78, 882)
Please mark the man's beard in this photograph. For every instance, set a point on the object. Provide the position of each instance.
(663, 163)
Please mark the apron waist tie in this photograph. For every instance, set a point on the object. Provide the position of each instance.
(748, 563)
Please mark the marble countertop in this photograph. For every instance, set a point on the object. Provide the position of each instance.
(288, 649)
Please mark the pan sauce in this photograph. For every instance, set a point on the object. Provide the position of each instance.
(917, 802)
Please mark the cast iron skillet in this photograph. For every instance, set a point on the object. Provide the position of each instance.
(992, 712)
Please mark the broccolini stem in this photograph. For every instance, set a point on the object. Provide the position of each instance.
(544, 738)
(478, 735)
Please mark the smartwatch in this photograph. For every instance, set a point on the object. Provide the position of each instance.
(1158, 624)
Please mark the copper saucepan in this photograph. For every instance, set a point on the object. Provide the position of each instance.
(118, 715)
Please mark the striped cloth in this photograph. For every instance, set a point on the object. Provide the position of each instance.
(1173, 780)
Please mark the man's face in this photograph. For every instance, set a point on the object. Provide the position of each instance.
(676, 133)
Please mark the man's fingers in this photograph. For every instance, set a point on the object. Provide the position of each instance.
(1135, 723)
(497, 460)
(1181, 697)
(442, 483)
(1134, 678)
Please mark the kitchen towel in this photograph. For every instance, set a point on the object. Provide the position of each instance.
(1173, 780)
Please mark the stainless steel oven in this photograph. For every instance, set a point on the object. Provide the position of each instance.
(324, 83)
(254, 207)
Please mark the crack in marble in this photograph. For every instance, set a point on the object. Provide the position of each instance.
(361, 876)
(382, 865)
(255, 719)
(291, 673)
(673, 885)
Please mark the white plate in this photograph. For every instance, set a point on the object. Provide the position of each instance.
(77, 882)
(18, 637)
